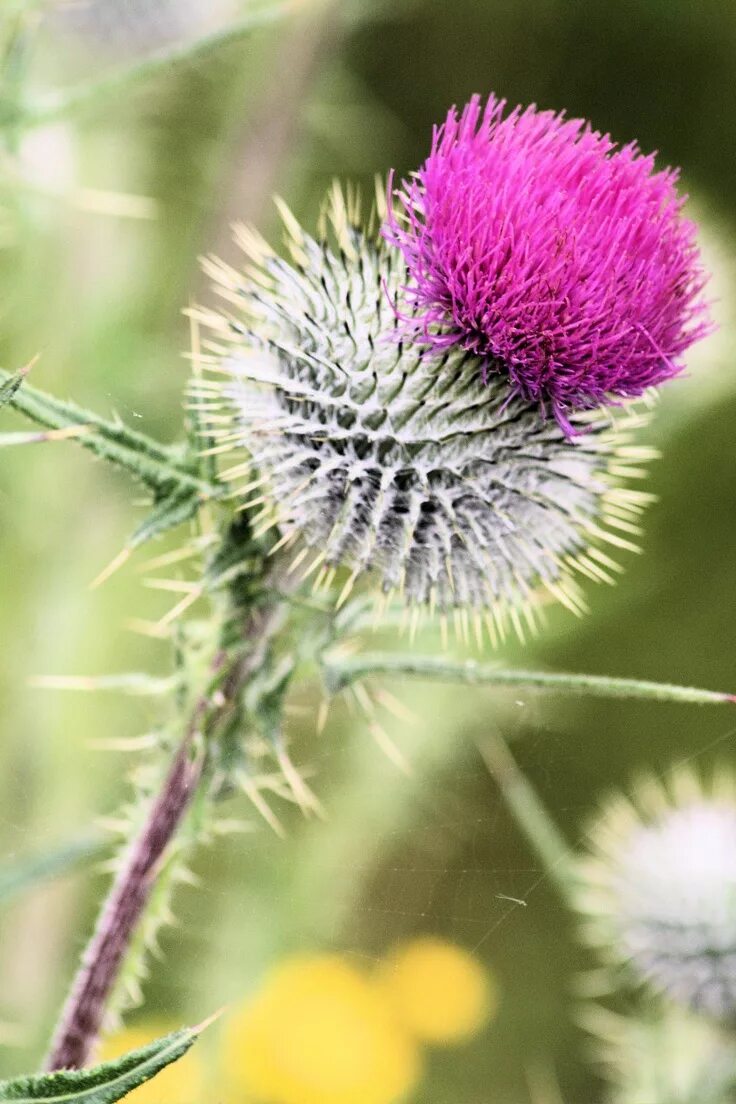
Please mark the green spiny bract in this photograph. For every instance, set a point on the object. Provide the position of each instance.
(658, 889)
(372, 455)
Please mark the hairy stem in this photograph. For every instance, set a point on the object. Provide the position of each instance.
(340, 673)
(83, 1013)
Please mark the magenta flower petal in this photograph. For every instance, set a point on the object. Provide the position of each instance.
(558, 258)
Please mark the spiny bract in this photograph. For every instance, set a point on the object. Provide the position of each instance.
(379, 458)
(658, 889)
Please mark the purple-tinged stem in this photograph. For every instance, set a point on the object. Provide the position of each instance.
(83, 1013)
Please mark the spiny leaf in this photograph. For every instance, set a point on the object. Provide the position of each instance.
(164, 470)
(10, 385)
(105, 1083)
(171, 511)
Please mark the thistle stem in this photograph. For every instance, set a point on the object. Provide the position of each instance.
(530, 813)
(92, 94)
(340, 673)
(83, 1013)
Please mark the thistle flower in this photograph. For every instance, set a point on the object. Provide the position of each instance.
(452, 493)
(658, 889)
(562, 262)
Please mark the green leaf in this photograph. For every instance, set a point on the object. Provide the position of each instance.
(171, 511)
(105, 1083)
(17, 877)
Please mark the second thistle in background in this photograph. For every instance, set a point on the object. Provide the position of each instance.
(658, 889)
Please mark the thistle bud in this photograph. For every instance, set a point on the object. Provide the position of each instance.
(452, 492)
(658, 890)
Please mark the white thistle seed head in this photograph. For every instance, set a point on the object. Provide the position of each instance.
(667, 1055)
(658, 889)
(386, 459)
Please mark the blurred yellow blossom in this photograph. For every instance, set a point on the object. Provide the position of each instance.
(439, 992)
(319, 1031)
(183, 1082)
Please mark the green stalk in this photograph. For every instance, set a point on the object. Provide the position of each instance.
(530, 813)
(339, 673)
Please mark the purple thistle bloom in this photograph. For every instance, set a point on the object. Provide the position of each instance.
(557, 258)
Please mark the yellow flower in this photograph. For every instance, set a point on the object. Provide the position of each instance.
(439, 992)
(183, 1082)
(319, 1032)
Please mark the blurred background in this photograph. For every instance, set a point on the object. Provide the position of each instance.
(102, 219)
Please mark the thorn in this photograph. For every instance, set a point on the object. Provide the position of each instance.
(392, 705)
(313, 566)
(253, 793)
(297, 561)
(130, 743)
(180, 608)
(187, 877)
(302, 793)
(173, 586)
(200, 1027)
(23, 372)
(364, 699)
(115, 564)
(169, 558)
(147, 628)
(345, 592)
(389, 748)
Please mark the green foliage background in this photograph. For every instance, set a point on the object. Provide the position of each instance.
(347, 89)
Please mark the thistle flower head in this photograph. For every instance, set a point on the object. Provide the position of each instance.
(559, 259)
(659, 890)
(449, 491)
